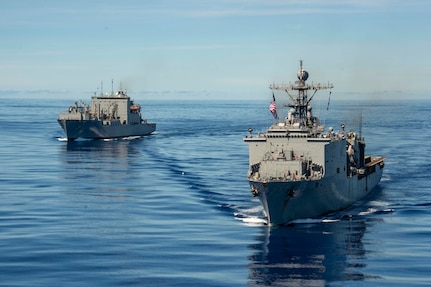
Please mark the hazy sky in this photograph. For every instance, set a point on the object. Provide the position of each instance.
(234, 48)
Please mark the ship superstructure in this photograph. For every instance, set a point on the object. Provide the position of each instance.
(299, 170)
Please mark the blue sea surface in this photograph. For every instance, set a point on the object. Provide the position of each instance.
(175, 209)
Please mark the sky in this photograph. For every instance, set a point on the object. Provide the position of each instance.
(213, 49)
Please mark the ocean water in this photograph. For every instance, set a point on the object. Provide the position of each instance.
(175, 209)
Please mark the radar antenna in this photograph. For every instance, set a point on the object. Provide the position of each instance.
(301, 102)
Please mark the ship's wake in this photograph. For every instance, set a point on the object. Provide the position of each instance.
(255, 215)
(130, 138)
(250, 216)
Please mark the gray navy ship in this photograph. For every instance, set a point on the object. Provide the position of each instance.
(112, 115)
(298, 170)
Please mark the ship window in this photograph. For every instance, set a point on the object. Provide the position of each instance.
(338, 170)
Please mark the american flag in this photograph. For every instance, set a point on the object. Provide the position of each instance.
(329, 100)
(273, 107)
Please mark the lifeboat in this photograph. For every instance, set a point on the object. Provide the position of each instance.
(135, 108)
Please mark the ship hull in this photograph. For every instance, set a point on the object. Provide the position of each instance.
(285, 201)
(94, 129)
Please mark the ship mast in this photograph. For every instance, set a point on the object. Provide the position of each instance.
(301, 102)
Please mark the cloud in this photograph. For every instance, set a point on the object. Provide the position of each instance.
(32, 93)
(231, 8)
(188, 47)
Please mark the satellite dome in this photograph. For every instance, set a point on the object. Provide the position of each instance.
(302, 75)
